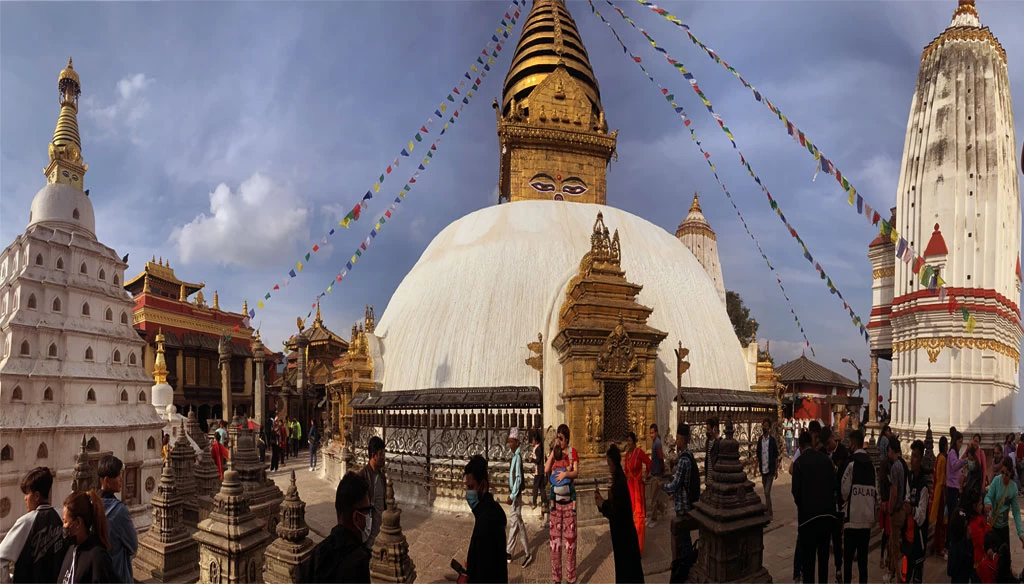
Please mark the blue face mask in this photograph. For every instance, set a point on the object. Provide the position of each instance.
(970, 465)
(473, 498)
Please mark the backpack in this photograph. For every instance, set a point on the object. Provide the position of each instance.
(693, 486)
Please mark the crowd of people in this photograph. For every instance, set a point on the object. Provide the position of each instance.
(92, 540)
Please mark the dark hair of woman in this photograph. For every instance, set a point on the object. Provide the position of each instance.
(943, 445)
(615, 457)
(631, 436)
(88, 507)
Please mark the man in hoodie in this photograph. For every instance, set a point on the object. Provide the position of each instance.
(342, 556)
(814, 485)
(124, 540)
(860, 501)
(487, 545)
(917, 499)
(35, 546)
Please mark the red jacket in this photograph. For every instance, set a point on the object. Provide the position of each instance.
(219, 453)
(978, 528)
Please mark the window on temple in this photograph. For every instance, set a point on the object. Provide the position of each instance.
(42, 451)
(25, 348)
(124, 315)
(108, 315)
(103, 274)
(52, 350)
(616, 426)
(83, 269)
(85, 309)
(88, 354)
(142, 397)
(131, 445)
(151, 443)
(117, 356)
(116, 280)
(31, 300)
(56, 305)
(39, 259)
(7, 453)
(93, 445)
(132, 359)
(124, 395)
(60, 263)
(16, 394)
(91, 395)
(47, 394)
(75, 214)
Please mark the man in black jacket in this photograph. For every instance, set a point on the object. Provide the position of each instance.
(767, 462)
(814, 493)
(485, 560)
(341, 556)
(840, 457)
(34, 548)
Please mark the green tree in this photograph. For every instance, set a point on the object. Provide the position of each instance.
(739, 315)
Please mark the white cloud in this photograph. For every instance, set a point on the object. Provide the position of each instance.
(260, 222)
(129, 108)
(416, 227)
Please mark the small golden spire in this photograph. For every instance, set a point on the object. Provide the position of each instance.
(145, 283)
(160, 366)
(696, 204)
(216, 300)
(245, 308)
(965, 7)
(182, 296)
(65, 150)
(317, 321)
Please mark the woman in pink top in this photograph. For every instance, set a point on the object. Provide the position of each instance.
(954, 468)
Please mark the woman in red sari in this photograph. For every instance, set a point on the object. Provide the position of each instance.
(634, 463)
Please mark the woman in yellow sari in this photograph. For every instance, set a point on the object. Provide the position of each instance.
(938, 506)
(635, 460)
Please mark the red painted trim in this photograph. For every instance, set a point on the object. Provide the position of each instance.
(881, 310)
(961, 292)
(945, 307)
(879, 324)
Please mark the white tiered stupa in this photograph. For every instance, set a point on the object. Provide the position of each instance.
(70, 360)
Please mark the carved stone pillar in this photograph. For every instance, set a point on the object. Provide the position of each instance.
(873, 392)
(301, 381)
(288, 557)
(228, 410)
(259, 383)
(167, 553)
(732, 519)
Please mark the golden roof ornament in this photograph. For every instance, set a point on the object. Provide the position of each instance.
(160, 365)
(65, 150)
(245, 308)
(317, 321)
(216, 300)
(696, 204)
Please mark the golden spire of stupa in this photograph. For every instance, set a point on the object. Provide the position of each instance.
(66, 166)
(695, 207)
(160, 366)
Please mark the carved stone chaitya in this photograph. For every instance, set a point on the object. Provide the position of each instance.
(183, 461)
(264, 497)
(391, 561)
(289, 555)
(167, 552)
(232, 541)
(83, 478)
(607, 352)
(206, 474)
(732, 519)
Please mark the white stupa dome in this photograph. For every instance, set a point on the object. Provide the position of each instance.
(63, 205)
(492, 280)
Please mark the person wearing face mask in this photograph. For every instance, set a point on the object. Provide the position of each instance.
(485, 560)
(85, 525)
(342, 555)
(35, 546)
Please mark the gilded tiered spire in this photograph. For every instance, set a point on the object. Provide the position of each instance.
(695, 222)
(66, 166)
(551, 115)
(966, 26)
(160, 366)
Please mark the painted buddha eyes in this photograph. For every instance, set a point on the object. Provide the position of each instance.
(571, 186)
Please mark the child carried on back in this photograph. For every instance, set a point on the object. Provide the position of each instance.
(563, 492)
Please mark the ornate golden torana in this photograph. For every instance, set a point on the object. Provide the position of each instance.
(934, 345)
(554, 140)
(66, 166)
(607, 351)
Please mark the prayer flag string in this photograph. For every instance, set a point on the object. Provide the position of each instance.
(857, 322)
(461, 94)
(904, 251)
(707, 158)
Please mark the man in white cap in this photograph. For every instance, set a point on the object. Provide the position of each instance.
(516, 527)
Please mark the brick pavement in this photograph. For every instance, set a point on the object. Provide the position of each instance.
(434, 539)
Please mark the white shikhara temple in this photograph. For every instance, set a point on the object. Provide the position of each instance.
(958, 201)
(70, 359)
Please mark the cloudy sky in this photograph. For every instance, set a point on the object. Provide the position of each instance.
(229, 137)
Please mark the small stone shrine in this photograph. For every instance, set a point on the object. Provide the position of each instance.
(289, 556)
(262, 494)
(232, 540)
(206, 473)
(732, 519)
(167, 552)
(83, 477)
(390, 561)
(183, 461)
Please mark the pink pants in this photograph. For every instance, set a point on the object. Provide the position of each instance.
(563, 524)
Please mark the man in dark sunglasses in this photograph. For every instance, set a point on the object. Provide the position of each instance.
(342, 555)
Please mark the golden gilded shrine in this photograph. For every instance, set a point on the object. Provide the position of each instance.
(302, 390)
(352, 372)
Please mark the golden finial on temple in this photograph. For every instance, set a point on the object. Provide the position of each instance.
(696, 203)
(65, 149)
(160, 365)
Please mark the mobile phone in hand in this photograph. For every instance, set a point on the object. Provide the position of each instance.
(458, 567)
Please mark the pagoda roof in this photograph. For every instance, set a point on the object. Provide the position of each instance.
(160, 271)
(803, 370)
(201, 341)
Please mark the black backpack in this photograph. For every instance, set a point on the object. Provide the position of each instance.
(693, 486)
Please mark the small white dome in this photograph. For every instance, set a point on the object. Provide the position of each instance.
(63, 205)
(492, 280)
